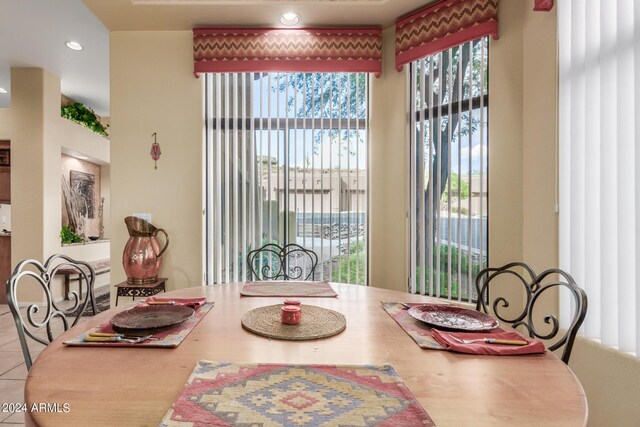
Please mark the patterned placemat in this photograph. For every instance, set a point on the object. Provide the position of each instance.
(230, 394)
(287, 288)
(315, 322)
(168, 338)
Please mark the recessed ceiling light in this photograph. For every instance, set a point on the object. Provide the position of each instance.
(289, 18)
(74, 45)
(3, 90)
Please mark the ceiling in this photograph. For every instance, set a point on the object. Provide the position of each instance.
(33, 32)
(125, 15)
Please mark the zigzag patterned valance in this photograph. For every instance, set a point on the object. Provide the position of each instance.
(443, 25)
(221, 50)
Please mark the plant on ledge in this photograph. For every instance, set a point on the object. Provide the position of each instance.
(67, 236)
(79, 113)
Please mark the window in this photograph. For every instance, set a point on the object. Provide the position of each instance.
(448, 166)
(286, 162)
(599, 52)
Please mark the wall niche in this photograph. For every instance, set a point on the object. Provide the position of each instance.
(82, 201)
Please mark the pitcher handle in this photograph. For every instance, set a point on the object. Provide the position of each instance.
(166, 237)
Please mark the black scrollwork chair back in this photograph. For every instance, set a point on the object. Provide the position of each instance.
(42, 322)
(273, 262)
(531, 317)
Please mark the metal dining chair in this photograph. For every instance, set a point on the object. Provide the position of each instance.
(34, 281)
(273, 262)
(539, 325)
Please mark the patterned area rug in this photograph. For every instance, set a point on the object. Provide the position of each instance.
(287, 288)
(229, 394)
(102, 304)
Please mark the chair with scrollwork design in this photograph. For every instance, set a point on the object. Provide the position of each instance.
(273, 262)
(34, 281)
(531, 317)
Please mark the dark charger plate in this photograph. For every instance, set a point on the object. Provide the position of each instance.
(150, 317)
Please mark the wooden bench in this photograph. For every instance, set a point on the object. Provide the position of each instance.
(100, 266)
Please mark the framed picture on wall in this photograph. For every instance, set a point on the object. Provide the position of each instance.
(83, 184)
(5, 157)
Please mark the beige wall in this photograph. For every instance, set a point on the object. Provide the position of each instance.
(506, 137)
(153, 90)
(612, 382)
(38, 136)
(388, 167)
(27, 87)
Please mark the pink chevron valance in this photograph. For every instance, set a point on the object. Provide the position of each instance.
(443, 25)
(221, 50)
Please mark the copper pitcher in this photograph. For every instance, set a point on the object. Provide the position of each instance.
(142, 255)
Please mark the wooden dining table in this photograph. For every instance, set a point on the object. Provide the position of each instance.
(134, 386)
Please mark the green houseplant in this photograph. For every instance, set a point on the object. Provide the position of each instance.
(79, 113)
(67, 236)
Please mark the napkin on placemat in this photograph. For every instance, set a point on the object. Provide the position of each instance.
(444, 338)
(194, 303)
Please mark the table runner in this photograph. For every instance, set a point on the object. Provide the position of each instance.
(224, 394)
(287, 288)
(168, 338)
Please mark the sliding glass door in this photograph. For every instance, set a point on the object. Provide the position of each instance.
(286, 162)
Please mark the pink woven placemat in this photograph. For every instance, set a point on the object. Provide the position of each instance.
(287, 288)
(226, 394)
(168, 338)
(419, 331)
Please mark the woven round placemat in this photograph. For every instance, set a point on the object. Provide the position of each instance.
(315, 322)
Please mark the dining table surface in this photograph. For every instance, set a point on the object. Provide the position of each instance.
(122, 386)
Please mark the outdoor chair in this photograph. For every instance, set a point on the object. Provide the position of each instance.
(273, 262)
(531, 317)
(34, 281)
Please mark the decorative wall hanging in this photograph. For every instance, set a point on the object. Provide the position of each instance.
(83, 184)
(543, 5)
(155, 150)
(443, 25)
(222, 50)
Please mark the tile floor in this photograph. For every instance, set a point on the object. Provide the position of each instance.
(13, 371)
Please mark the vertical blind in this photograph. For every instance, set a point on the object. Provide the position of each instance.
(448, 166)
(599, 115)
(286, 162)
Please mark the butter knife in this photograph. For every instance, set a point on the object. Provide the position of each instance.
(104, 337)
